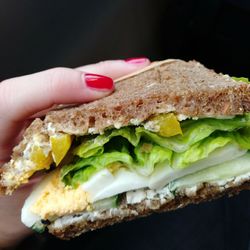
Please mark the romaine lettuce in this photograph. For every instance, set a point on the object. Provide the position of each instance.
(198, 151)
(141, 150)
(146, 155)
(242, 137)
(241, 79)
(193, 131)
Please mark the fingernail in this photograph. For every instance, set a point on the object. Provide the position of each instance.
(136, 60)
(99, 82)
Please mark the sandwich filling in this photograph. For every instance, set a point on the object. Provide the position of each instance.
(97, 173)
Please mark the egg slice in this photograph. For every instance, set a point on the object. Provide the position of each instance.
(51, 199)
(104, 184)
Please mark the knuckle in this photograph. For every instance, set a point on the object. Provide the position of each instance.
(103, 64)
(56, 76)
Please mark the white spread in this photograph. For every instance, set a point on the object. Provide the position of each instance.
(27, 150)
(151, 195)
(117, 125)
(182, 117)
(136, 196)
(151, 126)
(24, 165)
(135, 122)
(191, 191)
(50, 128)
(39, 141)
(91, 130)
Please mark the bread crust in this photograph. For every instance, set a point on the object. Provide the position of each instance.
(206, 192)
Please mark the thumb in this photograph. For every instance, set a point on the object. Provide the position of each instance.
(27, 95)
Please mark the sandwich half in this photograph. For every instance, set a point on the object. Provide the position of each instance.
(172, 134)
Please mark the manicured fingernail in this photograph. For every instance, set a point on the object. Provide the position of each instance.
(99, 82)
(136, 60)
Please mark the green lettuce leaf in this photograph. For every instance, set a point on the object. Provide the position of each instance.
(241, 79)
(193, 131)
(145, 157)
(148, 155)
(242, 138)
(71, 175)
(141, 150)
(95, 145)
(198, 151)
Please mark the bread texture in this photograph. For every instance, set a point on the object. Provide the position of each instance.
(74, 225)
(185, 88)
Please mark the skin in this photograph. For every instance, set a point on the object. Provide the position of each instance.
(22, 99)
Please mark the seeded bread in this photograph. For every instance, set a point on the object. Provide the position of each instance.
(73, 225)
(186, 88)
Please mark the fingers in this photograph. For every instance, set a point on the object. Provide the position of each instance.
(24, 96)
(116, 68)
(27, 95)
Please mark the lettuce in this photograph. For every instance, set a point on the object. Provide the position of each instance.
(242, 138)
(241, 79)
(95, 145)
(199, 151)
(145, 157)
(95, 163)
(193, 131)
(141, 150)
(148, 155)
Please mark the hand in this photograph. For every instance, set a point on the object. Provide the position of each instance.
(23, 98)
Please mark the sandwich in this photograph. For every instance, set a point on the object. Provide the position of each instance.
(172, 134)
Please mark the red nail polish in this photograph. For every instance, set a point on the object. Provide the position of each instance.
(99, 82)
(136, 60)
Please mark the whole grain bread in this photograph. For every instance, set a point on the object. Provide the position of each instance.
(186, 88)
(75, 225)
